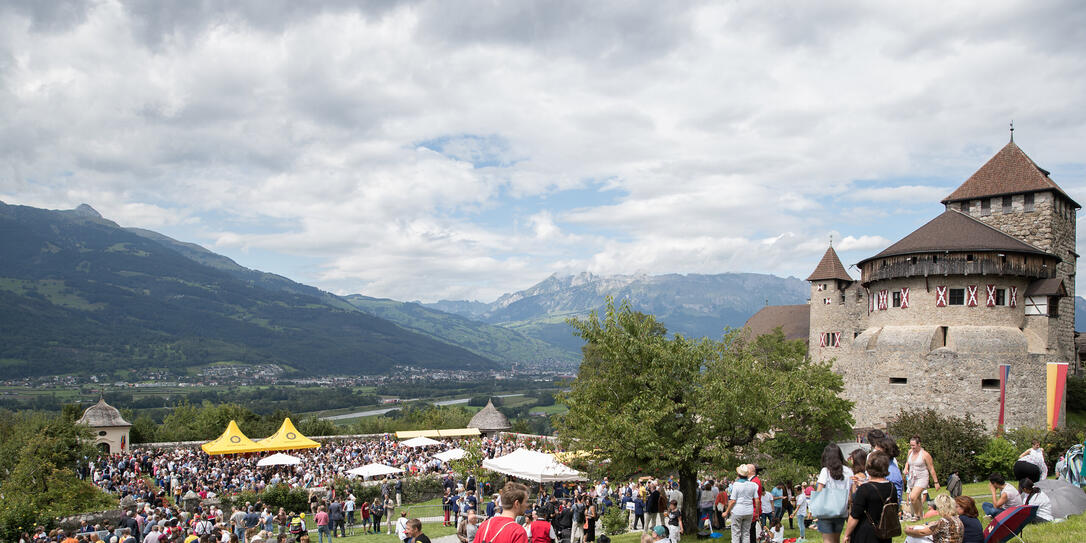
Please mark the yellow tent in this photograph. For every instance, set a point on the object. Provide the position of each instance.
(230, 442)
(287, 438)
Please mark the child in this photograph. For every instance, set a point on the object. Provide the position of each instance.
(776, 531)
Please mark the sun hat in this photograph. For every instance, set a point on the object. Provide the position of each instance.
(743, 470)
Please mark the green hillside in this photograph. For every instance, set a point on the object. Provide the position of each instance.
(494, 342)
(78, 294)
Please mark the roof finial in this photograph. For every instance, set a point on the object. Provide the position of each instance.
(831, 241)
(1012, 130)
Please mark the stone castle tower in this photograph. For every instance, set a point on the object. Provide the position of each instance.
(932, 317)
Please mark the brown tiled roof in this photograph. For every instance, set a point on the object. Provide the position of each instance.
(1010, 171)
(794, 320)
(1052, 286)
(829, 267)
(955, 231)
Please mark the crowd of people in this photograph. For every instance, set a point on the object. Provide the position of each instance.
(176, 471)
(561, 513)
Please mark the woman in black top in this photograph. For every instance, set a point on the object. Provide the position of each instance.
(868, 501)
(967, 513)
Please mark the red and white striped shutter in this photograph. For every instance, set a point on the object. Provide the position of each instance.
(971, 295)
(822, 339)
(826, 301)
(837, 339)
(991, 295)
(821, 287)
(1014, 296)
(940, 296)
(905, 298)
(883, 294)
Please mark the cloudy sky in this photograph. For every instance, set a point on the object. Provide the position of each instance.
(463, 149)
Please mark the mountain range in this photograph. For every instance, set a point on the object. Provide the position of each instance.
(692, 305)
(80, 294)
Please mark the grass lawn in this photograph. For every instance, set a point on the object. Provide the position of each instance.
(1073, 530)
(432, 529)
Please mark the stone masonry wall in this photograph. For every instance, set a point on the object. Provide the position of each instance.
(847, 316)
(922, 298)
(945, 380)
(1051, 227)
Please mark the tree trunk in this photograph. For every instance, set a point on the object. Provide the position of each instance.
(688, 485)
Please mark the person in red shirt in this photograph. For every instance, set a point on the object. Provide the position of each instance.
(323, 528)
(753, 470)
(542, 531)
(503, 528)
(720, 504)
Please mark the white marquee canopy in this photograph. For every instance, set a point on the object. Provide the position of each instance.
(533, 466)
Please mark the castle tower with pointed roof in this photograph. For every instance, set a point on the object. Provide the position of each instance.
(1012, 193)
(831, 286)
(933, 316)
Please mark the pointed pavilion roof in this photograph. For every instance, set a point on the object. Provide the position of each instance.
(102, 415)
(955, 231)
(489, 419)
(1010, 171)
(829, 267)
(288, 437)
(232, 441)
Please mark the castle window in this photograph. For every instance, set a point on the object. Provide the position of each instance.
(897, 298)
(965, 207)
(989, 384)
(1053, 306)
(102, 433)
(957, 296)
(1000, 296)
(1006, 204)
(986, 206)
(968, 258)
(899, 381)
(1027, 202)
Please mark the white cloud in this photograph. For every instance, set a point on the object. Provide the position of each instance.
(421, 150)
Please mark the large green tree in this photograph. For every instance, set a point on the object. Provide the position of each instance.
(653, 403)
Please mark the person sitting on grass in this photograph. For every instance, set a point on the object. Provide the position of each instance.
(1003, 496)
(967, 513)
(948, 529)
(1031, 495)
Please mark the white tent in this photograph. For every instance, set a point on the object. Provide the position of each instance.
(374, 470)
(279, 459)
(420, 442)
(450, 455)
(534, 466)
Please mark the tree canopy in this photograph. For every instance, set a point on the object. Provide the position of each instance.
(659, 404)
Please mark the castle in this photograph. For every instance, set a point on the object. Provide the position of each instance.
(990, 281)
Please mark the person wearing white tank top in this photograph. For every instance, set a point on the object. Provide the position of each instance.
(918, 468)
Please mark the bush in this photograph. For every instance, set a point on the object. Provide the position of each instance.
(614, 521)
(952, 441)
(999, 456)
(1076, 394)
(281, 495)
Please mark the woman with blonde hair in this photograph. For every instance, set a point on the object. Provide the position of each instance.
(948, 529)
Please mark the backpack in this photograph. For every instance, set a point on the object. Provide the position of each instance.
(889, 526)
